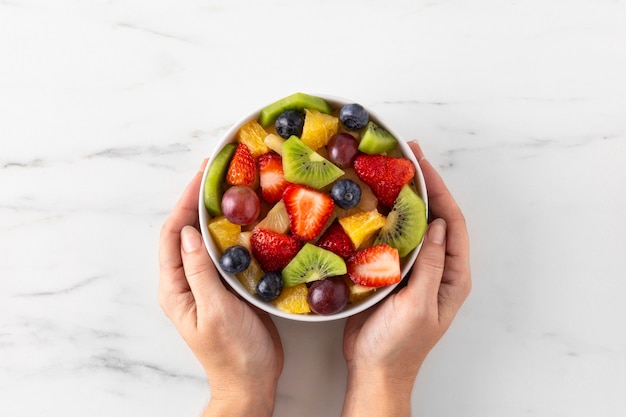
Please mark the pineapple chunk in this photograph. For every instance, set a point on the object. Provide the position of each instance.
(362, 226)
(274, 142)
(277, 219)
(224, 232)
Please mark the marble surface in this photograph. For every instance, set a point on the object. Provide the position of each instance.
(107, 108)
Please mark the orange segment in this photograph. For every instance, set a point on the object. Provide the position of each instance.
(318, 128)
(361, 226)
(253, 135)
(224, 232)
(293, 300)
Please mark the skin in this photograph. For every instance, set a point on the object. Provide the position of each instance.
(383, 353)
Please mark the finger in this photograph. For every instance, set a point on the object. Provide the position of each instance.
(443, 205)
(429, 266)
(203, 279)
(184, 213)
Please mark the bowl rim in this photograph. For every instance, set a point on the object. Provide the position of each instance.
(232, 281)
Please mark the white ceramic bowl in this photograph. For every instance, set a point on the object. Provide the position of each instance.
(231, 279)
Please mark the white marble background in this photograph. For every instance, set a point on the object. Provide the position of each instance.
(107, 108)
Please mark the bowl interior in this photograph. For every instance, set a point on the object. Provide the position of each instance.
(231, 279)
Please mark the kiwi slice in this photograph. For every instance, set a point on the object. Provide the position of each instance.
(302, 165)
(406, 222)
(297, 101)
(376, 140)
(312, 263)
(214, 183)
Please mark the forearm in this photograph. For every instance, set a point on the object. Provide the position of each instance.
(375, 394)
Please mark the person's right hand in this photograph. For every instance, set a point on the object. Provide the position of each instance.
(385, 346)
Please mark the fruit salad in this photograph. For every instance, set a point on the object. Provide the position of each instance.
(313, 206)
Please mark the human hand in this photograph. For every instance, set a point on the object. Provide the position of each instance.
(384, 347)
(238, 347)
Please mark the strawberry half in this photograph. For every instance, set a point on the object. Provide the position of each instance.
(375, 266)
(308, 210)
(272, 178)
(273, 250)
(336, 240)
(385, 175)
(242, 167)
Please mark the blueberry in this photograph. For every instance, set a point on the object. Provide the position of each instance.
(289, 123)
(235, 259)
(354, 116)
(346, 193)
(270, 286)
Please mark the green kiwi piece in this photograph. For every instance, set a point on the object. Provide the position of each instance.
(214, 183)
(302, 165)
(297, 101)
(312, 263)
(406, 222)
(376, 140)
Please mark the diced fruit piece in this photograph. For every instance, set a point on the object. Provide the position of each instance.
(270, 286)
(235, 259)
(357, 292)
(250, 276)
(406, 222)
(241, 205)
(368, 199)
(376, 266)
(289, 123)
(354, 116)
(244, 239)
(361, 226)
(376, 140)
(302, 165)
(328, 296)
(242, 167)
(273, 250)
(272, 178)
(346, 193)
(224, 232)
(342, 149)
(297, 101)
(275, 143)
(214, 183)
(318, 128)
(308, 210)
(293, 300)
(385, 175)
(312, 263)
(337, 241)
(276, 219)
(252, 135)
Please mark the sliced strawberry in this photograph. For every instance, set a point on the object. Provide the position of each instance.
(308, 210)
(273, 250)
(242, 168)
(337, 241)
(375, 266)
(272, 180)
(385, 175)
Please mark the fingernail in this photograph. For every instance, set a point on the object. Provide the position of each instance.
(417, 149)
(437, 231)
(190, 239)
(203, 165)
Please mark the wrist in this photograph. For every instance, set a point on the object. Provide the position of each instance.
(377, 392)
(234, 399)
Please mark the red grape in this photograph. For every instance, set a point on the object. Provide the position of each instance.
(342, 149)
(241, 205)
(328, 296)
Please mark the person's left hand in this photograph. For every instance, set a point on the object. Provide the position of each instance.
(238, 347)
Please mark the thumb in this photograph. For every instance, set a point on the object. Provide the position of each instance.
(200, 271)
(428, 270)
